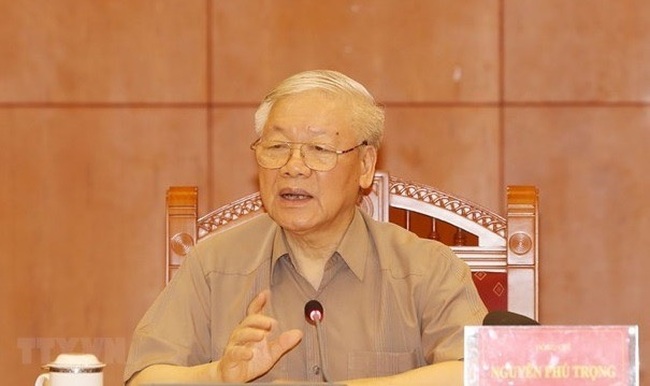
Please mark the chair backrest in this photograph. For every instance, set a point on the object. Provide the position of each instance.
(502, 252)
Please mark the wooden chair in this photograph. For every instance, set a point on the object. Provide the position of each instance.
(501, 252)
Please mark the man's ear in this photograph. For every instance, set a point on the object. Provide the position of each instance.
(368, 162)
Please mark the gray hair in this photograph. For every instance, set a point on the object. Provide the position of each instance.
(368, 115)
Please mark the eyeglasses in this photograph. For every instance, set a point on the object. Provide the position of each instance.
(317, 157)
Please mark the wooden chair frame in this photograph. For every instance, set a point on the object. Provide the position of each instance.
(505, 245)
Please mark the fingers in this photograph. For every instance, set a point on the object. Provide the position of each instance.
(252, 329)
(251, 350)
(256, 306)
(285, 342)
(255, 326)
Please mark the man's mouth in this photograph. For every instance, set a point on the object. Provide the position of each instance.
(292, 196)
(295, 195)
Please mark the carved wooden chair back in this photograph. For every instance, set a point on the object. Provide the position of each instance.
(502, 252)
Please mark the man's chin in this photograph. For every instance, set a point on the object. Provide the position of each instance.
(296, 227)
(294, 224)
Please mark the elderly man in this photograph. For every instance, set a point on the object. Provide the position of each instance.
(394, 305)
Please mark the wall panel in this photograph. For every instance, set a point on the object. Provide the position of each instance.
(577, 51)
(461, 145)
(82, 226)
(405, 51)
(233, 166)
(102, 51)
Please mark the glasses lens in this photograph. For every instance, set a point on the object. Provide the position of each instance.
(272, 155)
(318, 157)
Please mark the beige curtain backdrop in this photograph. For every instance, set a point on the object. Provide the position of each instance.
(106, 103)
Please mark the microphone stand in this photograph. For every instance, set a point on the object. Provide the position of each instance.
(314, 315)
(321, 352)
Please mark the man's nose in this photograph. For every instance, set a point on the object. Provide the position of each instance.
(296, 162)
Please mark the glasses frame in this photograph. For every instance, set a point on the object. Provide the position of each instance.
(253, 146)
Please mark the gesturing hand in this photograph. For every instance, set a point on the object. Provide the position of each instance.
(249, 352)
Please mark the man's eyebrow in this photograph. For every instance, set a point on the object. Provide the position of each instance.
(317, 130)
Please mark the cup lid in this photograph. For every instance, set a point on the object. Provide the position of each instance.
(75, 360)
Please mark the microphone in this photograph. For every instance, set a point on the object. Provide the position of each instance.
(507, 318)
(314, 315)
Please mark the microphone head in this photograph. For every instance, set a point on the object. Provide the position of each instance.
(506, 318)
(313, 311)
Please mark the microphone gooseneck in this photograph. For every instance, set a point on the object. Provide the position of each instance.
(314, 315)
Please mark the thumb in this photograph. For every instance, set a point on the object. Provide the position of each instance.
(285, 342)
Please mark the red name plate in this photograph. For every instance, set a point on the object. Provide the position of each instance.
(551, 355)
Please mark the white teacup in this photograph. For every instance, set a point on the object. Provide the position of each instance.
(72, 370)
